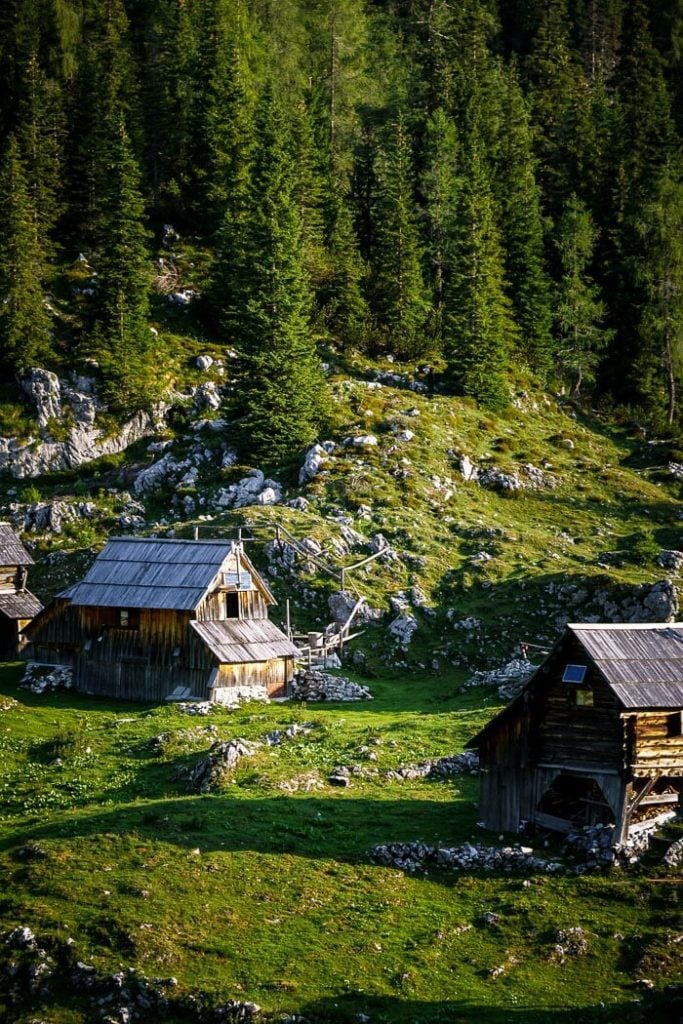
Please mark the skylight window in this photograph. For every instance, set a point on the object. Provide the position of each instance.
(575, 674)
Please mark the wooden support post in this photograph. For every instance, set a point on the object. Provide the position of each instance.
(288, 620)
(195, 533)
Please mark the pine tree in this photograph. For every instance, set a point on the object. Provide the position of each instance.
(579, 311)
(24, 320)
(479, 332)
(440, 186)
(40, 133)
(344, 305)
(280, 391)
(522, 231)
(661, 360)
(399, 295)
(126, 349)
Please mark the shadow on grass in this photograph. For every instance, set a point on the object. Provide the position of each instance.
(340, 827)
(656, 1008)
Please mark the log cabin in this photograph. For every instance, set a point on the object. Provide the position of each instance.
(160, 620)
(17, 604)
(595, 736)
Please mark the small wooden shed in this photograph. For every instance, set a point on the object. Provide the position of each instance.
(17, 604)
(595, 735)
(167, 619)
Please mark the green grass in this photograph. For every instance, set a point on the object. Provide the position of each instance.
(258, 893)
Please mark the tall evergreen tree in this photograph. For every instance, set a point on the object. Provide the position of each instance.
(440, 186)
(479, 332)
(280, 391)
(24, 320)
(126, 349)
(522, 230)
(661, 359)
(579, 308)
(344, 305)
(399, 295)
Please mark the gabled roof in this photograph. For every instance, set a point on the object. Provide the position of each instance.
(12, 551)
(136, 572)
(642, 664)
(243, 640)
(21, 605)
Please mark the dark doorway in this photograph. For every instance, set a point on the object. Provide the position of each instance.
(8, 639)
(232, 606)
(577, 799)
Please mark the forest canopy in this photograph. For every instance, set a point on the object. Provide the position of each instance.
(482, 186)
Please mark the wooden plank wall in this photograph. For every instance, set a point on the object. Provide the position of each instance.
(651, 748)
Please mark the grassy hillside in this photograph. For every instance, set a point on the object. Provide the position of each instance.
(266, 892)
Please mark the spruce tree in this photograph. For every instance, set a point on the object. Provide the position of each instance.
(344, 305)
(440, 186)
(280, 391)
(479, 332)
(126, 349)
(399, 294)
(25, 329)
(579, 310)
(660, 363)
(522, 231)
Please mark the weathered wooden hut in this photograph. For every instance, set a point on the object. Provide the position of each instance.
(167, 619)
(595, 735)
(17, 604)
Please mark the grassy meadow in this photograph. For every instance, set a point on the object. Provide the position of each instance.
(265, 890)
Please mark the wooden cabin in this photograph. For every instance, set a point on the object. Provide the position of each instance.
(17, 604)
(595, 735)
(167, 619)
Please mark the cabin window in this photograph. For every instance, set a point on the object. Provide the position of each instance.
(583, 698)
(237, 580)
(674, 724)
(129, 618)
(232, 606)
(574, 674)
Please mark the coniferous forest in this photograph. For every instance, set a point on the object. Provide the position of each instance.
(489, 187)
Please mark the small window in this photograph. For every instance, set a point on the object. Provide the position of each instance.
(129, 618)
(583, 698)
(238, 580)
(674, 724)
(575, 674)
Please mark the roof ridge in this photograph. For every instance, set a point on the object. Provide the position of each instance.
(624, 625)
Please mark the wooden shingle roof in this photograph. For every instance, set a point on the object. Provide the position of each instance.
(641, 662)
(136, 572)
(12, 551)
(244, 640)
(21, 605)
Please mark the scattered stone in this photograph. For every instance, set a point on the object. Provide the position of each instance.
(253, 489)
(21, 938)
(569, 942)
(223, 758)
(196, 707)
(40, 678)
(509, 678)
(418, 856)
(278, 736)
(362, 441)
(447, 767)
(673, 858)
(314, 461)
(340, 776)
(204, 362)
(403, 628)
(670, 560)
(8, 703)
(312, 685)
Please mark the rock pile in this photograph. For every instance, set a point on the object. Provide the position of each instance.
(37, 968)
(419, 856)
(673, 858)
(593, 843)
(45, 678)
(7, 703)
(509, 678)
(448, 767)
(222, 758)
(569, 942)
(313, 685)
